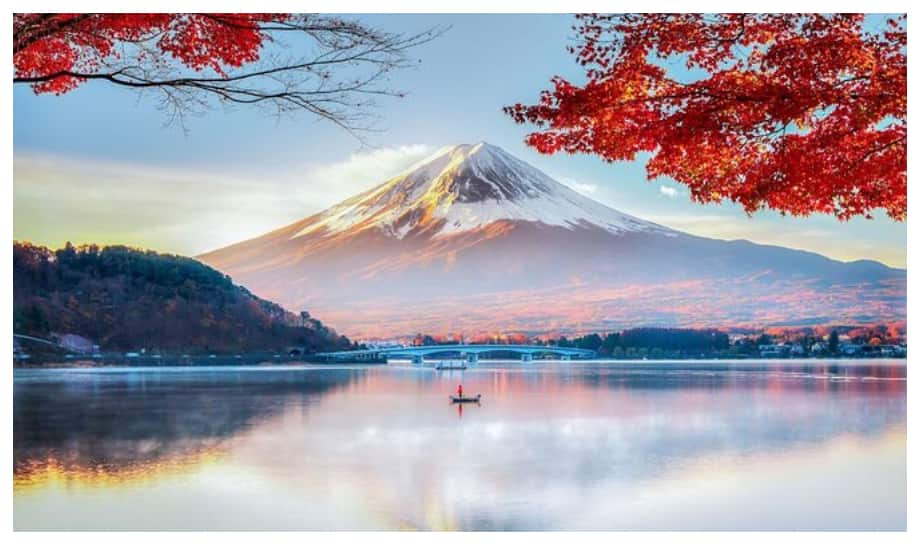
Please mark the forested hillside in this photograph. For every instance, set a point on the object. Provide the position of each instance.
(124, 298)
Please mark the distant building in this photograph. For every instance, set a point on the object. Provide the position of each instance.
(18, 352)
(774, 350)
(850, 349)
(382, 344)
(892, 350)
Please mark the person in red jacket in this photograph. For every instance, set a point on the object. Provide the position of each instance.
(459, 390)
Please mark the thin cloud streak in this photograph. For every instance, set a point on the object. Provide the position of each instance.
(581, 187)
(811, 239)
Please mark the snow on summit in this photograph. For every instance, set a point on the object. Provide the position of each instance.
(467, 187)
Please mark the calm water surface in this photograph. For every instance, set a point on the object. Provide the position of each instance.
(573, 446)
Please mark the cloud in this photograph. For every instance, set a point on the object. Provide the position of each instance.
(670, 192)
(182, 210)
(328, 183)
(583, 188)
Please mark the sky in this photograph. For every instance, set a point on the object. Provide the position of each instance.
(101, 165)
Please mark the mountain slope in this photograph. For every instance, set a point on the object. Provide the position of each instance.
(473, 239)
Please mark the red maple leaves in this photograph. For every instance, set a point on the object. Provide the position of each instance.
(798, 113)
(59, 51)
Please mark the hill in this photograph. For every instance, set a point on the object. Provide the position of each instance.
(124, 299)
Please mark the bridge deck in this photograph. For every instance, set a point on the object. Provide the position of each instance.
(462, 349)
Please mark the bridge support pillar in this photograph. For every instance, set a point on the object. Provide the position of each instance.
(527, 357)
(418, 359)
(566, 357)
(472, 358)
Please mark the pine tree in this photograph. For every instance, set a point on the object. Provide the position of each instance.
(833, 342)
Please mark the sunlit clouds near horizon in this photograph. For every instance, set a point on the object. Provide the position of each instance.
(182, 210)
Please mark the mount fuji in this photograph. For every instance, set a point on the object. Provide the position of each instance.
(473, 240)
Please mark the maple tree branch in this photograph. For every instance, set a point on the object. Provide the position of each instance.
(879, 149)
(349, 64)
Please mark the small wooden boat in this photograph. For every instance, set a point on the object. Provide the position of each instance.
(464, 399)
(450, 367)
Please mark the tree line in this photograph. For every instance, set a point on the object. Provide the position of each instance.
(126, 299)
(640, 341)
(673, 339)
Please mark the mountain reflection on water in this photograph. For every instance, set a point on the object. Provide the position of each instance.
(651, 445)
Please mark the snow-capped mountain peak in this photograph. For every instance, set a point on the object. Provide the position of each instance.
(467, 187)
(474, 240)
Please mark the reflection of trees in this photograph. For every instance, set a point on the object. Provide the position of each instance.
(118, 421)
(863, 378)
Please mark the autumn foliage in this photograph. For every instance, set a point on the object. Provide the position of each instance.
(800, 113)
(59, 51)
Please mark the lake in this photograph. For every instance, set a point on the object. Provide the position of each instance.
(688, 445)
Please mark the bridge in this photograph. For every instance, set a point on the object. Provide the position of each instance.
(469, 352)
(36, 339)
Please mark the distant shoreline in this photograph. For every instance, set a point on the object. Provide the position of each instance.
(235, 362)
(174, 362)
